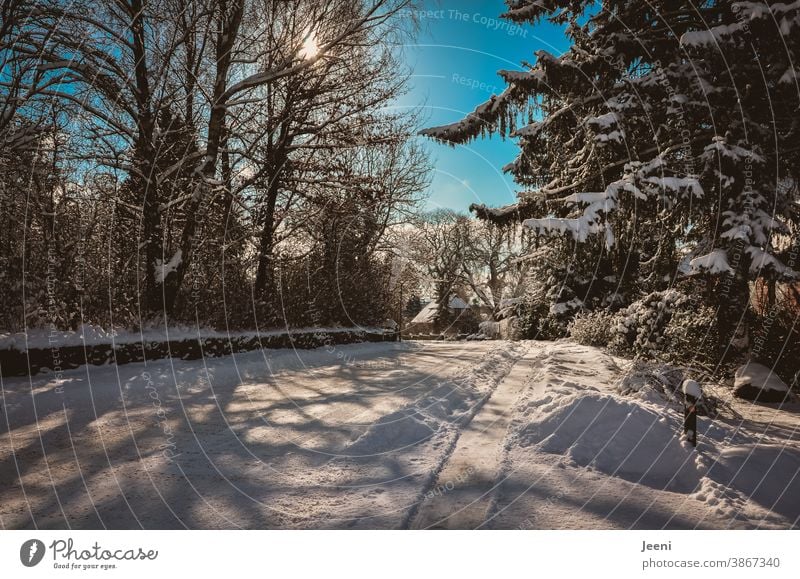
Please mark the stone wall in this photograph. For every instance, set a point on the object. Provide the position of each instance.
(14, 362)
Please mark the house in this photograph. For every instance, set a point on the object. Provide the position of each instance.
(425, 321)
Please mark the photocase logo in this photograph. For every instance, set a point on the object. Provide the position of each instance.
(31, 552)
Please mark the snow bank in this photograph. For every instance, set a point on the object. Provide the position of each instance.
(765, 474)
(619, 437)
(756, 382)
(759, 376)
(585, 423)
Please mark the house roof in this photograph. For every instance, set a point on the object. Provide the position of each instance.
(428, 313)
(456, 303)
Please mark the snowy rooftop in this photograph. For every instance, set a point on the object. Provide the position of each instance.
(428, 312)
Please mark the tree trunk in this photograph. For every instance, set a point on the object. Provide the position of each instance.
(771, 294)
(265, 272)
(733, 295)
(230, 21)
(145, 162)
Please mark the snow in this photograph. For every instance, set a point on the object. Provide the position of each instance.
(587, 198)
(617, 136)
(581, 454)
(487, 434)
(692, 388)
(162, 270)
(428, 313)
(439, 408)
(762, 260)
(508, 302)
(777, 12)
(523, 77)
(502, 211)
(564, 307)
(715, 262)
(489, 328)
(712, 36)
(579, 228)
(605, 121)
(529, 131)
(480, 121)
(589, 222)
(613, 436)
(719, 146)
(789, 77)
(606, 127)
(759, 376)
(690, 185)
(456, 303)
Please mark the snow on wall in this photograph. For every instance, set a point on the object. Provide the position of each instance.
(89, 335)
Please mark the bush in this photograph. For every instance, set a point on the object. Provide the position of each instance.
(641, 326)
(691, 336)
(593, 328)
(537, 321)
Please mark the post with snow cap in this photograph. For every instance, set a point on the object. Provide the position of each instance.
(692, 394)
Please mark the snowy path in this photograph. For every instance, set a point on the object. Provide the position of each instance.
(298, 439)
(383, 435)
(464, 488)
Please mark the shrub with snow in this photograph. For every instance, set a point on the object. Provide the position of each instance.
(537, 322)
(593, 328)
(641, 326)
(691, 335)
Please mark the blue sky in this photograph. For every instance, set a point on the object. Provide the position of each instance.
(460, 48)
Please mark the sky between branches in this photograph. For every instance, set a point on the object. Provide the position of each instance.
(460, 48)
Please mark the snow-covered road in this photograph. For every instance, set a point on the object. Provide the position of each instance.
(386, 435)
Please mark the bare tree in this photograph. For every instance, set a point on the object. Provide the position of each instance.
(490, 261)
(439, 245)
(225, 128)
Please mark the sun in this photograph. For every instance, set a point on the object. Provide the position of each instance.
(310, 48)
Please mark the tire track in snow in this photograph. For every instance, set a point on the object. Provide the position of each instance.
(519, 351)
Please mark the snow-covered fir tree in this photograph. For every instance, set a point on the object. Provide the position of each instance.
(647, 158)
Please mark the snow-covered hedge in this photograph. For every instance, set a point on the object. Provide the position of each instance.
(668, 325)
